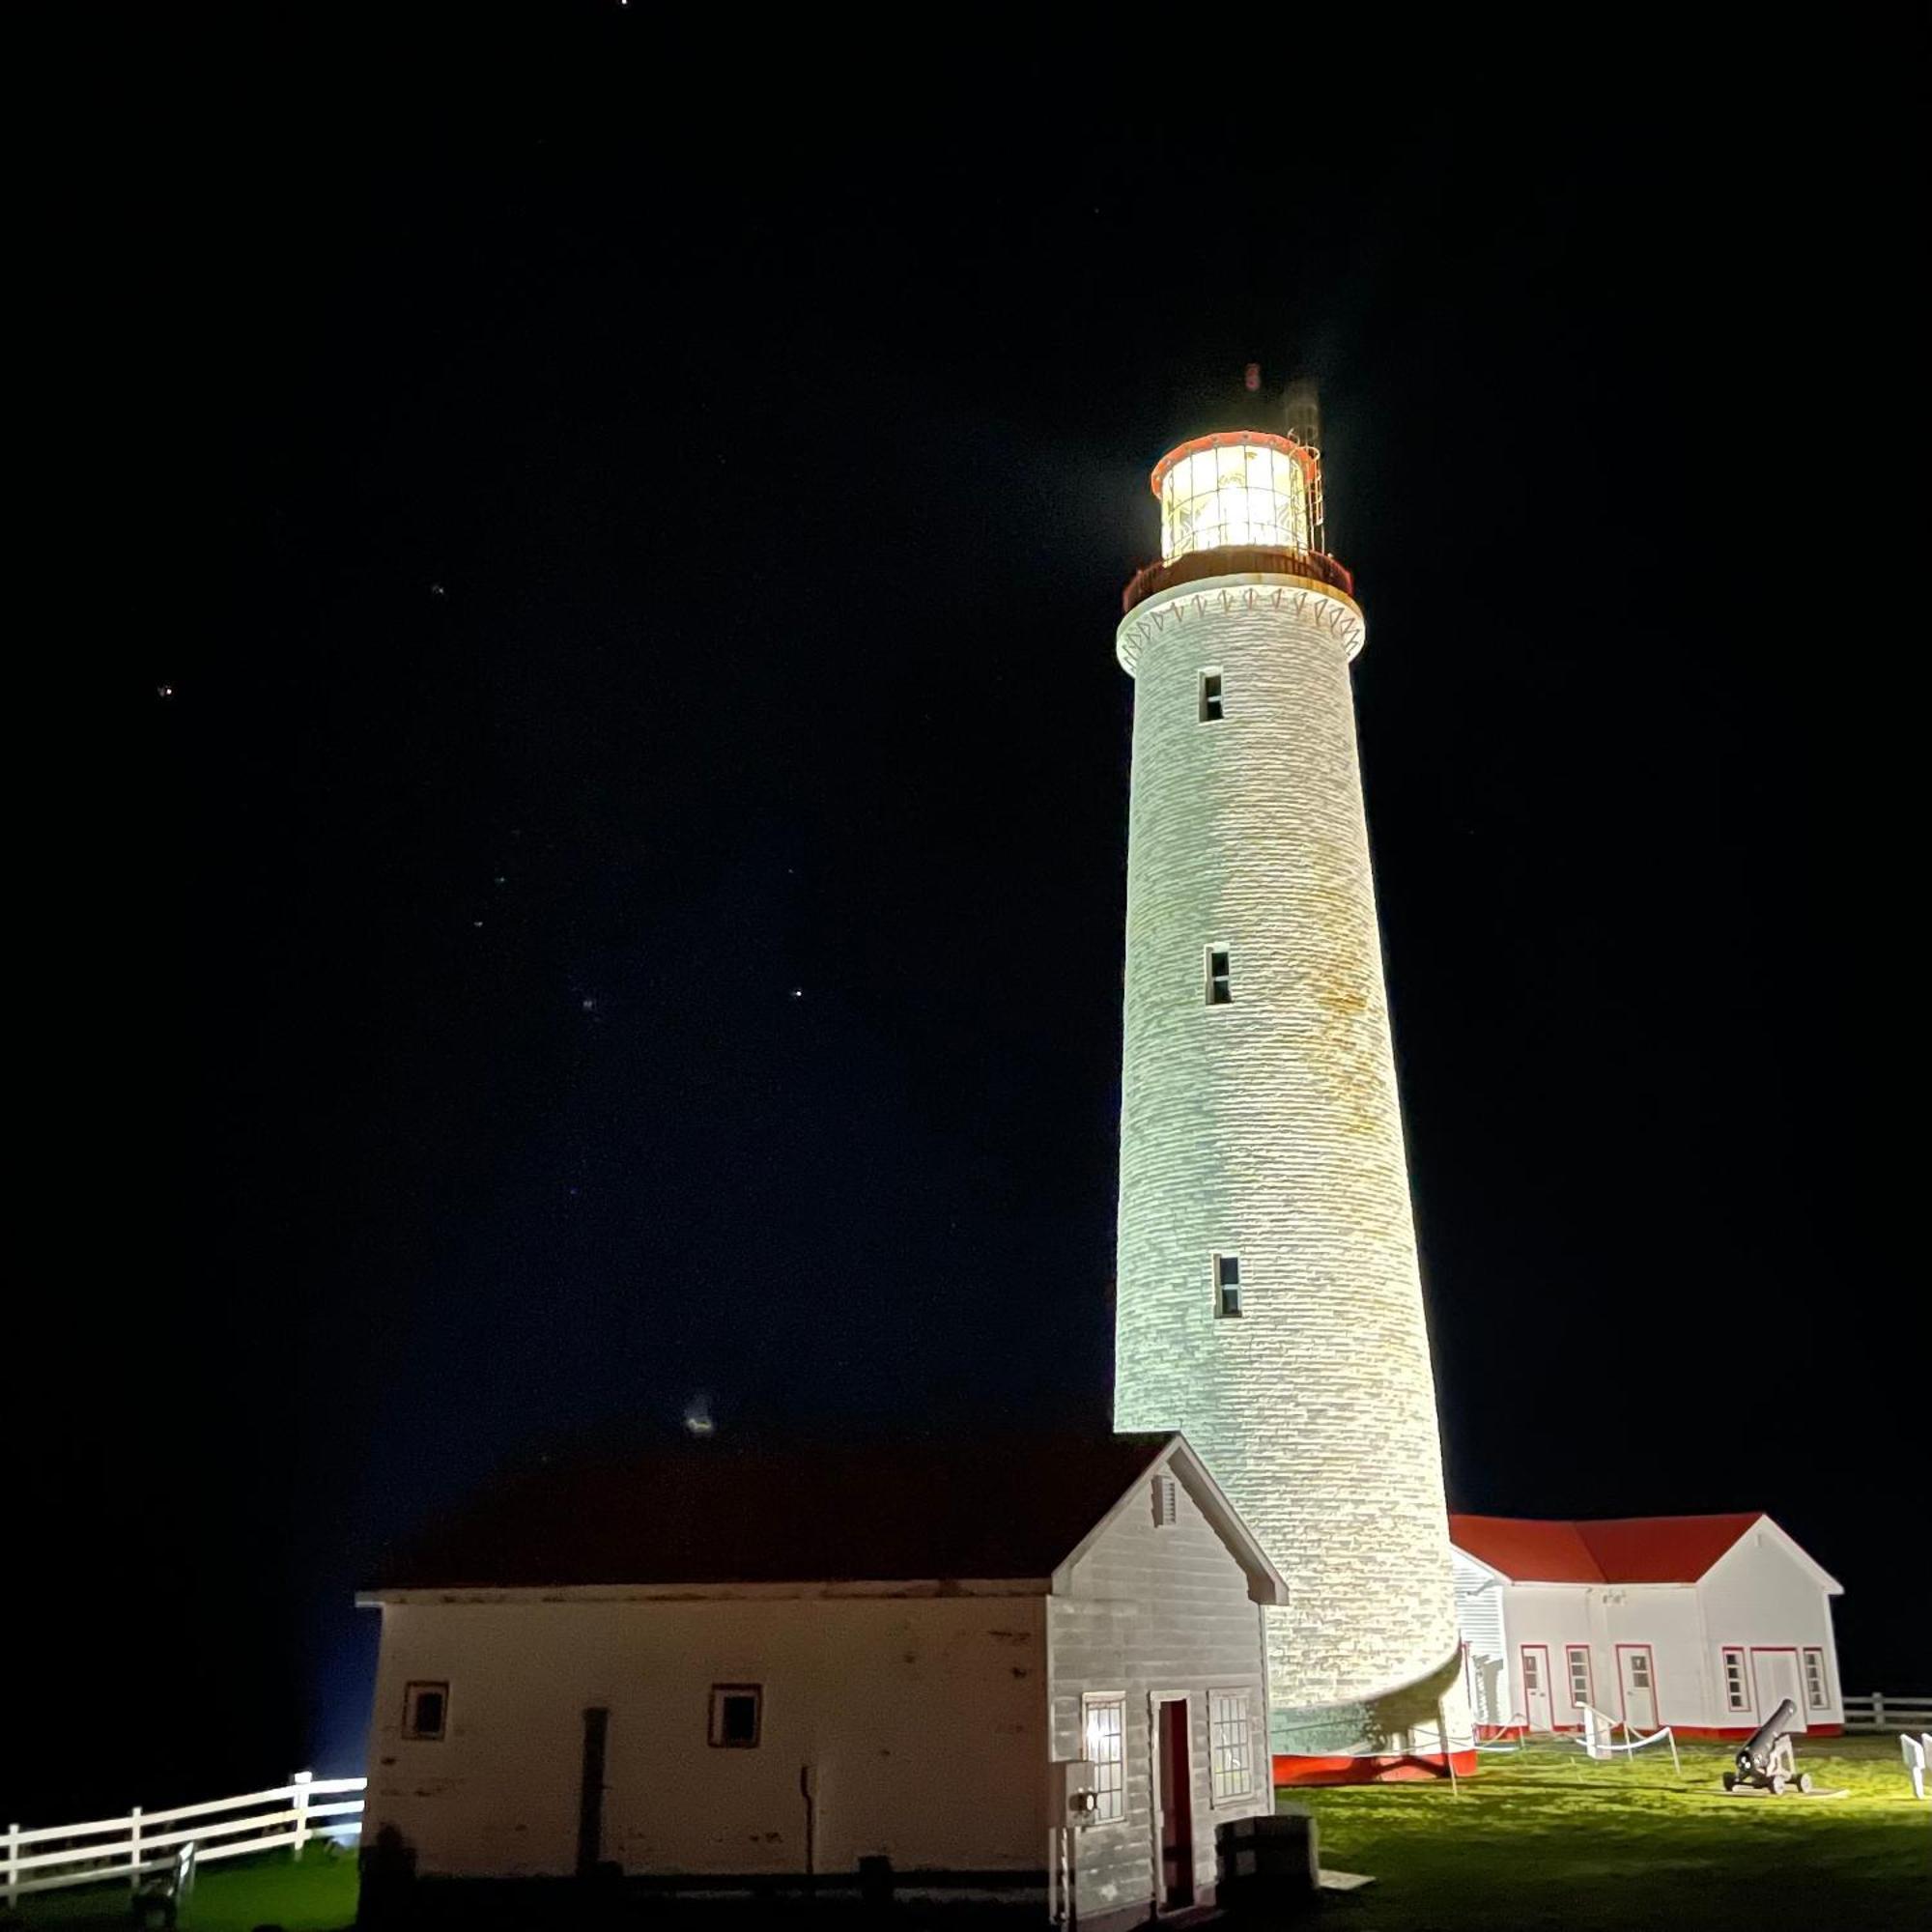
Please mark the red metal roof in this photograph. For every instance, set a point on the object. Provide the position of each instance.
(1613, 1549)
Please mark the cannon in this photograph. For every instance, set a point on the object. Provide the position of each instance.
(1765, 1759)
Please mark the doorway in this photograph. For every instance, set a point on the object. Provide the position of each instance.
(590, 1793)
(1174, 1818)
(1636, 1674)
(1774, 1672)
(1536, 1686)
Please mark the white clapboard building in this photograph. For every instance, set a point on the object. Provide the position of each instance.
(1700, 1622)
(750, 1669)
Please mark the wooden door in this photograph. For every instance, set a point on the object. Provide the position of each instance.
(1536, 1686)
(1174, 1757)
(1636, 1676)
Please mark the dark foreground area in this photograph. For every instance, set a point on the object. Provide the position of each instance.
(1540, 1841)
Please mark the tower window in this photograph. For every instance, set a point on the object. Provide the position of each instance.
(425, 1711)
(1227, 1284)
(1220, 985)
(1211, 697)
(736, 1711)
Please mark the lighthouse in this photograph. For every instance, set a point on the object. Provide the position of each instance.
(1269, 1301)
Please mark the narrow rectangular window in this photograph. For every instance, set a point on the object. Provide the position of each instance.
(1577, 1657)
(425, 1712)
(735, 1713)
(1104, 1721)
(1814, 1679)
(1211, 697)
(1230, 1750)
(1227, 1284)
(1220, 982)
(1736, 1697)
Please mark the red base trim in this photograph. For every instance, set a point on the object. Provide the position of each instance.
(1394, 1768)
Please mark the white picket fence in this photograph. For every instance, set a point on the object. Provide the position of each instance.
(1880, 1711)
(52, 1856)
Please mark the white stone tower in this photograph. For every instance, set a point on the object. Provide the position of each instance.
(1269, 1302)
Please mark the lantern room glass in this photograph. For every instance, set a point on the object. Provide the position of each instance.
(1235, 493)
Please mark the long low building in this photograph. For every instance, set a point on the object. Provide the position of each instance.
(1700, 1622)
(1024, 1667)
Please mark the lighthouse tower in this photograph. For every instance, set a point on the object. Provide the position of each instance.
(1269, 1297)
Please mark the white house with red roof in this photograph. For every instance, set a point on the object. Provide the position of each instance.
(1699, 1622)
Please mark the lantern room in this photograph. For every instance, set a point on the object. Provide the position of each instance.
(1241, 487)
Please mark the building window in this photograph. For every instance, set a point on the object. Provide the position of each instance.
(1578, 1657)
(425, 1712)
(1227, 1284)
(1165, 1504)
(1211, 697)
(1737, 1697)
(735, 1713)
(1815, 1694)
(1220, 986)
(1231, 1755)
(1104, 1721)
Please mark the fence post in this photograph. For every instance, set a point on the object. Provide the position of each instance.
(302, 1781)
(1878, 1710)
(134, 1850)
(12, 1862)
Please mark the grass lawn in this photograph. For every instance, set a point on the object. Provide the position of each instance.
(1541, 1840)
(318, 1894)
(1549, 1839)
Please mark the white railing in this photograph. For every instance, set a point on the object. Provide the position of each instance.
(1883, 1712)
(107, 1849)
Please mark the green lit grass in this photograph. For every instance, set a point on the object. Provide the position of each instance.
(318, 1894)
(1549, 1839)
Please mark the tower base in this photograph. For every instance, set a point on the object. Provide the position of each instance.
(1419, 1731)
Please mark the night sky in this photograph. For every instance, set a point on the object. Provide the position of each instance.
(623, 903)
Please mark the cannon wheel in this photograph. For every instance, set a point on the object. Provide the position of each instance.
(1804, 1781)
(1730, 1780)
(1774, 1784)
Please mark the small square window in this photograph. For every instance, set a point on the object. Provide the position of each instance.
(1814, 1679)
(425, 1712)
(1211, 697)
(1736, 1697)
(1104, 1722)
(1230, 1749)
(1578, 1660)
(1220, 981)
(1227, 1284)
(736, 1710)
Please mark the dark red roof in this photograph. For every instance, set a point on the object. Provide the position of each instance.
(712, 1512)
(1613, 1549)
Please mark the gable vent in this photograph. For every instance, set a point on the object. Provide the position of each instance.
(1164, 1500)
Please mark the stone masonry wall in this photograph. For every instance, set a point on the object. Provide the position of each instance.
(1270, 1128)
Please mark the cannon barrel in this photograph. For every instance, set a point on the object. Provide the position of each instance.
(1756, 1754)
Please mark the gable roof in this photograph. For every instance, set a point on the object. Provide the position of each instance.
(987, 1507)
(1613, 1549)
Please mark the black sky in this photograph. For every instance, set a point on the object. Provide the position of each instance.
(625, 898)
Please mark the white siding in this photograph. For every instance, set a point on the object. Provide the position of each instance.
(924, 1720)
(1758, 1597)
(1479, 1619)
(1151, 1610)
